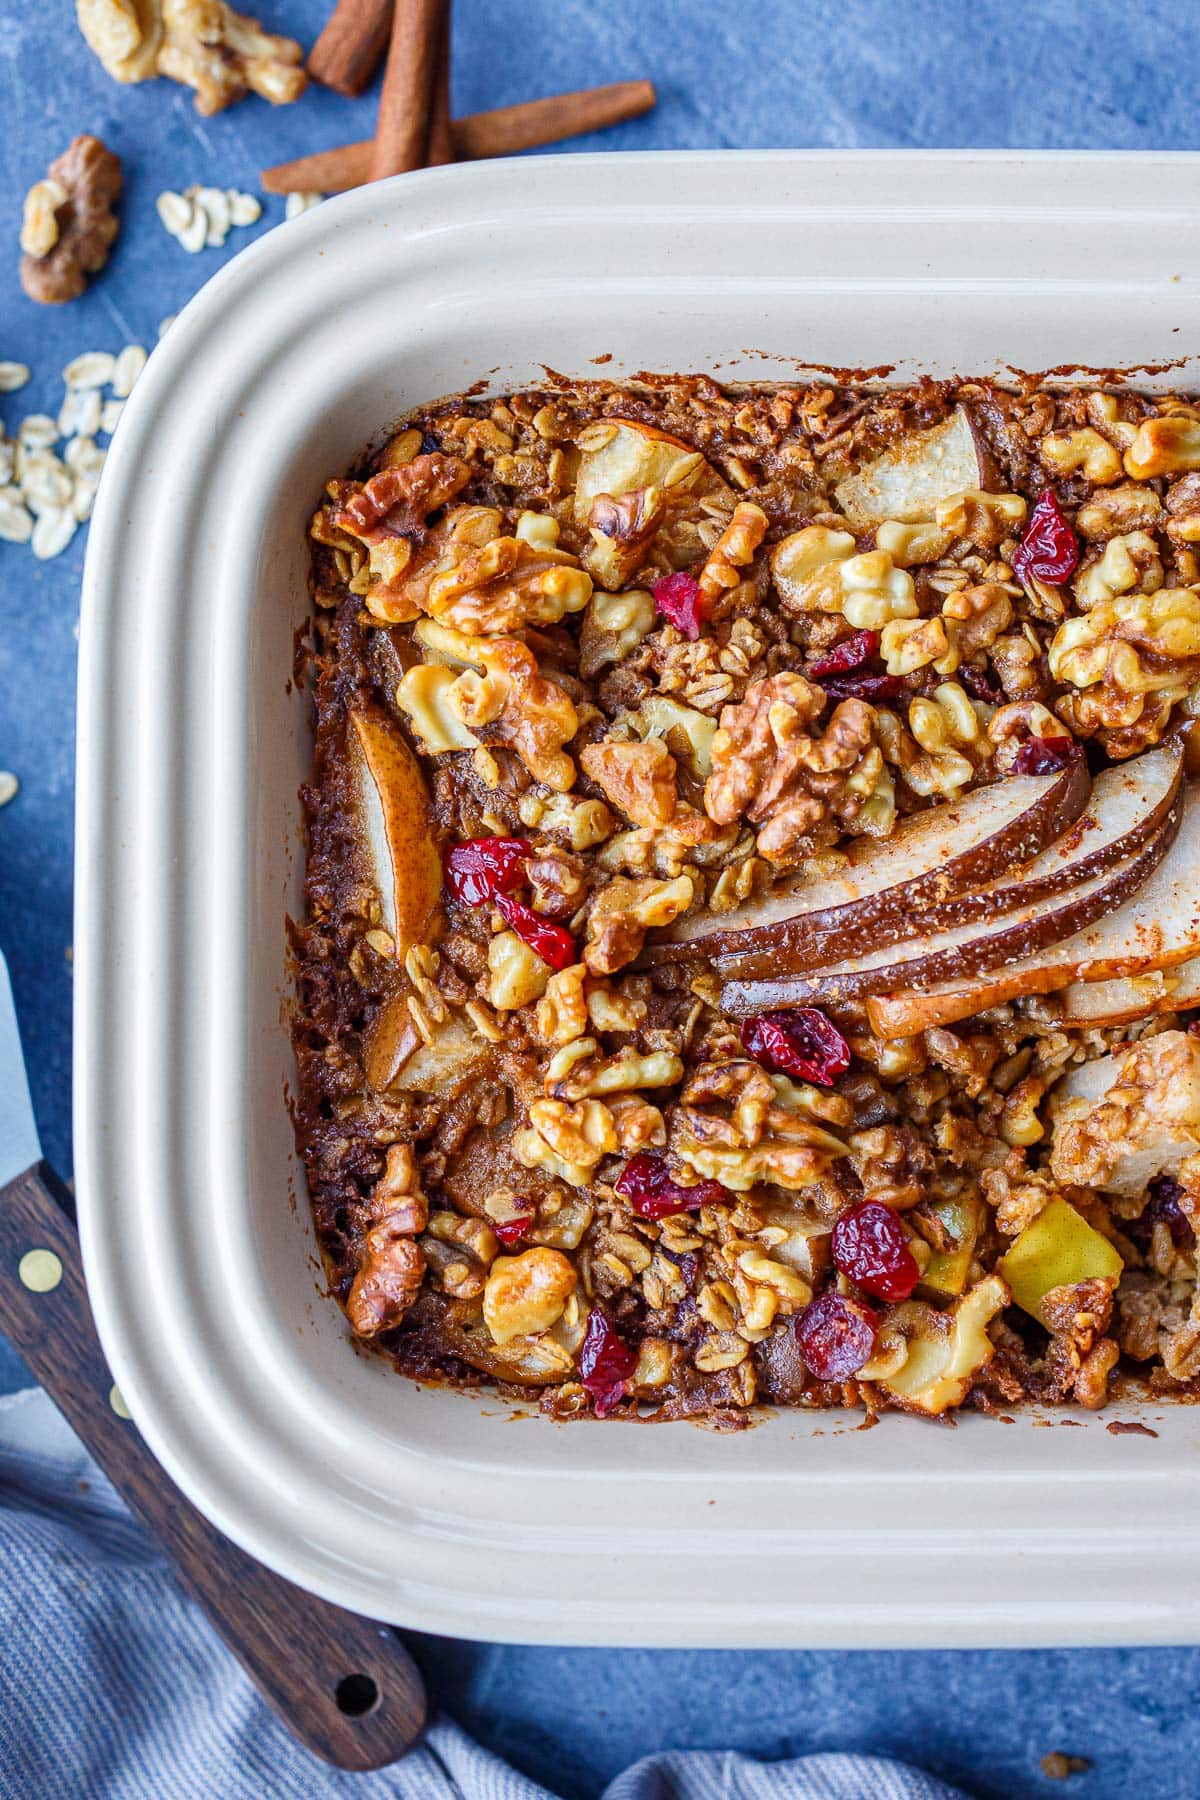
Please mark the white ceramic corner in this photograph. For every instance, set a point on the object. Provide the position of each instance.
(423, 1506)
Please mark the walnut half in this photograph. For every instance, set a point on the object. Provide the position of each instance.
(204, 44)
(69, 224)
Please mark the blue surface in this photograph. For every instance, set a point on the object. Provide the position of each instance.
(855, 73)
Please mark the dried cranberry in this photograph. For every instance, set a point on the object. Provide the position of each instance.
(605, 1362)
(481, 868)
(678, 598)
(1049, 550)
(851, 653)
(1045, 755)
(981, 684)
(871, 1247)
(554, 945)
(836, 1336)
(511, 1231)
(1164, 1207)
(863, 687)
(649, 1189)
(798, 1041)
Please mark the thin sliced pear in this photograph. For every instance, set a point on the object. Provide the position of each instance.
(395, 828)
(884, 883)
(1156, 929)
(966, 950)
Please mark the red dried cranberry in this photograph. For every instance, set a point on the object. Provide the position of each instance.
(798, 1041)
(649, 1189)
(836, 1336)
(554, 945)
(851, 653)
(678, 599)
(1165, 1208)
(981, 684)
(871, 1247)
(1045, 755)
(605, 1362)
(511, 1231)
(863, 687)
(481, 868)
(1049, 550)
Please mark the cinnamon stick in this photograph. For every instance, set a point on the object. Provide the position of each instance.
(406, 103)
(351, 47)
(441, 136)
(503, 131)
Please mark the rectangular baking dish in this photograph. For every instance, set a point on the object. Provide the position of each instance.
(420, 1505)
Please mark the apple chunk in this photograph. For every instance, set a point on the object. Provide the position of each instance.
(966, 950)
(1057, 1249)
(1156, 929)
(909, 479)
(395, 831)
(885, 883)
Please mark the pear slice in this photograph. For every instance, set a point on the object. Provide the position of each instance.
(925, 467)
(395, 831)
(1130, 997)
(1158, 928)
(1154, 1127)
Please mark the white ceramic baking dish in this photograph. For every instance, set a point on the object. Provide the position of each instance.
(424, 1506)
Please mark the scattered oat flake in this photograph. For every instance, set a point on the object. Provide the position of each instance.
(244, 209)
(301, 203)
(16, 521)
(164, 325)
(110, 416)
(37, 432)
(13, 375)
(8, 786)
(93, 369)
(52, 533)
(174, 211)
(129, 366)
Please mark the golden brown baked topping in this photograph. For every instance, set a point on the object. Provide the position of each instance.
(632, 699)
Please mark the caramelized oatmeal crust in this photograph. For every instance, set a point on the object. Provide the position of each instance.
(593, 660)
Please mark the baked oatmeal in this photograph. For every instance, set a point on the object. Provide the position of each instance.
(750, 953)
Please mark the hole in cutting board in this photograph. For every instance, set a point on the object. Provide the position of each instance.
(356, 1695)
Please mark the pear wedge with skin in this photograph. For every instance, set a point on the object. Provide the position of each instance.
(395, 828)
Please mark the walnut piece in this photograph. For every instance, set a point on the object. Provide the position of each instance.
(391, 1266)
(771, 767)
(204, 44)
(1131, 658)
(740, 1126)
(69, 222)
(638, 778)
(624, 911)
(526, 1294)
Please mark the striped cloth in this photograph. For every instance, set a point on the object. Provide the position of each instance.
(112, 1686)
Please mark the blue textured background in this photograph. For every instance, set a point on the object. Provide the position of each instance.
(853, 73)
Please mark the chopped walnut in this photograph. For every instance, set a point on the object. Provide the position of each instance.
(733, 552)
(1017, 1194)
(204, 44)
(510, 700)
(562, 1014)
(1117, 511)
(1164, 446)
(1131, 659)
(638, 778)
(740, 1126)
(566, 1138)
(624, 911)
(526, 1294)
(69, 222)
(505, 585)
(391, 1266)
(946, 746)
(1130, 562)
(800, 788)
